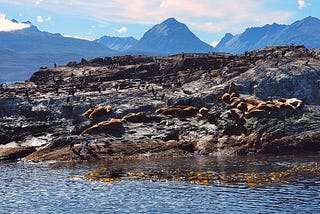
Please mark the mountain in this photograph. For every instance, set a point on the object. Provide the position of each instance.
(25, 51)
(305, 32)
(117, 43)
(171, 37)
(251, 39)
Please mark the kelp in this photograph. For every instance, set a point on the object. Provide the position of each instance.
(289, 174)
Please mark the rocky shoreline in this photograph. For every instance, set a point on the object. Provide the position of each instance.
(144, 107)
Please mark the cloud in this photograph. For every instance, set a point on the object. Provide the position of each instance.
(38, 2)
(209, 15)
(122, 30)
(302, 4)
(7, 25)
(40, 19)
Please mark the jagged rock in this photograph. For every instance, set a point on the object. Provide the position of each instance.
(52, 103)
(12, 154)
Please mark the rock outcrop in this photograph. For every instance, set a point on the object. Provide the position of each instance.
(165, 106)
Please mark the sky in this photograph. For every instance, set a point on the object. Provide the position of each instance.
(209, 20)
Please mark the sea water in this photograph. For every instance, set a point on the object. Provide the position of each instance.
(51, 188)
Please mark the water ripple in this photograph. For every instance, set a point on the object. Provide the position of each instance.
(37, 188)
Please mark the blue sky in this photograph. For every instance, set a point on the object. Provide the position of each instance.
(210, 20)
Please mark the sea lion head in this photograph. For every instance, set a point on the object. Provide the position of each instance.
(226, 98)
(203, 111)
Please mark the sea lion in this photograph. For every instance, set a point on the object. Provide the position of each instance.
(237, 118)
(188, 111)
(179, 106)
(161, 109)
(255, 113)
(226, 98)
(112, 124)
(278, 104)
(253, 101)
(178, 110)
(234, 94)
(100, 111)
(88, 112)
(241, 121)
(171, 111)
(203, 111)
(232, 88)
(295, 103)
(135, 117)
(245, 107)
(267, 107)
(235, 101)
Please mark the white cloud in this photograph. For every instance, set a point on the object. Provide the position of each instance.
(7, 25)
(122, 30)
(214, 43)
(40, 19)
(38, 2)
(302, 4)
(209, 15)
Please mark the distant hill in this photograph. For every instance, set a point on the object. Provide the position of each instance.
(171, 37)
(305, 32)
(25, 51)
(117, 43)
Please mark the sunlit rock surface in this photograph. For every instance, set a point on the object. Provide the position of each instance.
(47, 112)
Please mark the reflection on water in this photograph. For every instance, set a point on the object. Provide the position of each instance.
(42, 188)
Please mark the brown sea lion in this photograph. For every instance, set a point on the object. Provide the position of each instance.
(179, 106)
(278, 104)
(226, 98)
(237, 117)
(100, 111)
(253, 101)
(232, 88)
(171, 111)
(161, 109)
(135, 117)
(242, 106)
(245, 107)
(203, 111)
(234, 94)
(235, 101)
(188, 111)
(88, 112)
(112, 124)
(267, 107)
(255, 113)
(241, 121)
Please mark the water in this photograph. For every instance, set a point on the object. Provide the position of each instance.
(45, 188)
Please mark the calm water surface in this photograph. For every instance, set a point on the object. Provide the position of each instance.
(42, 188)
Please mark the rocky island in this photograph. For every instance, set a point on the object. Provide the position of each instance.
(127, 107)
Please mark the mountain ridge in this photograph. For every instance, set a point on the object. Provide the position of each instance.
(171, 37)
(305, 32)
(117, 43)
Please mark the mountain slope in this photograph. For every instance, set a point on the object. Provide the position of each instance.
(24, 51)
(251, 39)
(117, 43)
(306, 32)
(171, 37)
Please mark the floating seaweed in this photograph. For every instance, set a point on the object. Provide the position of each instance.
(290, 174)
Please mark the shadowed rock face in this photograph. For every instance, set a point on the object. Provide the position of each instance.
(50, 106)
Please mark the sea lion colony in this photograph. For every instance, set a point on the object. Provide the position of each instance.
(246, 107)
(60, 100)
